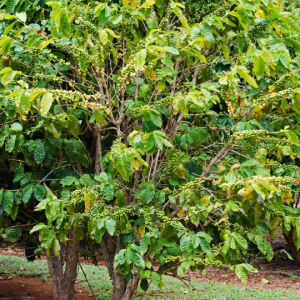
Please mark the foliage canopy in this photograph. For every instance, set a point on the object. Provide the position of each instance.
(162, 134)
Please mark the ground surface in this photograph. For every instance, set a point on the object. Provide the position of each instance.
(22, 288)
(280, 273)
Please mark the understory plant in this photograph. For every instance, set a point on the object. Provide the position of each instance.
(163, 133)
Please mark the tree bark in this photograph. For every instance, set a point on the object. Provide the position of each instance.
(293, 249)
(63, 282)
(109, 249)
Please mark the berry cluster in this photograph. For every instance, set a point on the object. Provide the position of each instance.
(50, 78)
(247, 134)
(274, 212)
(127, 75)
(171, 222)
(283, 83)
(272, 97)
(257, 31)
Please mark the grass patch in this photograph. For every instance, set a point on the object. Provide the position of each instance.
(175, 290)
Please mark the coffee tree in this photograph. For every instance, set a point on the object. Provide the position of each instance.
(165, 133)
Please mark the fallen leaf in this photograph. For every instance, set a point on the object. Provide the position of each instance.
(292, 276)
(264, 280)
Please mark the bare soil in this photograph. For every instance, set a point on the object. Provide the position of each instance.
(276, 272)
(32, 288)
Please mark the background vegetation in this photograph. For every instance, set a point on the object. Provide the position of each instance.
(163, 133)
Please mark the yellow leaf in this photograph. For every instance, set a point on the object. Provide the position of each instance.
(42, 15)
(244, 74)
(205, 200)
(153, 75)
(258, 112)
(142, 230)
(148, 4)
(277, 29)
(262, 14)
(226, 51)
(245, 191)
(181, 171)
(275, 223)
(87, 202)
(46, 43)
(287, 197)
(181, 213)
(161, 85)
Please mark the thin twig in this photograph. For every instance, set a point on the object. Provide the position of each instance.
(87, 281)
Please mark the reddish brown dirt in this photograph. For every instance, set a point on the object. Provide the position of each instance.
(32, 288)
(276, 272)
(22, 288)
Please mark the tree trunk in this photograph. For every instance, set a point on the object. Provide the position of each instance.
(63, 282)
(293, 249)
(121, 289)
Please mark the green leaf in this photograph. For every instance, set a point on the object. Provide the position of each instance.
(100, 117)
(110, 226)
(55, 247)
(241, 272)
(249, 268)
(243, 72)
(13, 234)
(47, 237)
(204, 244)
(178, 12)
(65, 25)
(156, 118)
(10, 5)
(261, 156)
(22, 16)
(14, 212)
(40, 192)
(68, 180)
(46, 103)
(37, 227)
(120, 198)
(206, 31)
(147, 196)
(129, 256)
(103, 37)
(292, 136)
(17, 127)
(243, 21)
(138, 260)
(10, 144)
(1, 195)
(155, 277)
(158, 141)
(259, 66)
(183, 108)
(150, 143)
(74, 125)
(140, 59)
(260, 244)
(39, 153)
(144, 284)
(240, 240)
(25, 103)
(144, 243)
(292, 276)
(98, 235)
(264, 280)
(27, 193)
(86, 180)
